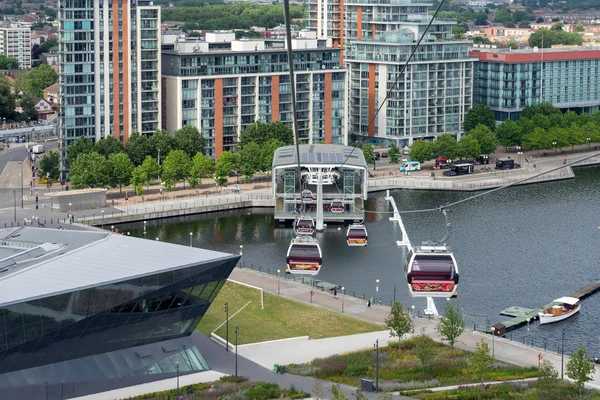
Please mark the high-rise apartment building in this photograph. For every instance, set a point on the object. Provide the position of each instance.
(16, 42)
(509, 81)
(222, 85)
(109, 79)
(430, 97)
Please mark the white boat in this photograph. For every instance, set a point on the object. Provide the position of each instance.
(560, 309)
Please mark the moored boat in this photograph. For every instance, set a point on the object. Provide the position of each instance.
(560, 309)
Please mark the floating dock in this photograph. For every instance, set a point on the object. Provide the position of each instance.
(521, 315)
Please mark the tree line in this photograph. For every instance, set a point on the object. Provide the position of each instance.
(230, 16)
(170, 159)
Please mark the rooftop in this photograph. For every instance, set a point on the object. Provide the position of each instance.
(320, 154)
(533, 50)
(41, 262)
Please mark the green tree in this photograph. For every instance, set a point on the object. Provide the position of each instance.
(7, 100)
(260, 133)
(89, 170)
(544, 109)
(422, 150)
(202, 166)
(398, 321)
(138, 180)
(28, 106)
(394, 153)
(189, 140)
(250, 160)
(151, 168)
(368, 151)
(224, 167)
(509, 133)
(480, 114)
(137, 148)
(451, 325)
(424, 350)
(548, 384)
(49, 43)
(160, 143)
(80, 146)
(121, 170)
(49, 165)
(36, 80)
(579, 28)
(175, 168)
(481, 361)
(486, 139)
(8, 62)
(557, 26)
(108, 146)
(503, 16)
(267, 154)
(447, 146)
(469, 147)
(580, 367)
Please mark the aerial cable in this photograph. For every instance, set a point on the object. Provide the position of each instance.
(398, 76)
(444, 206)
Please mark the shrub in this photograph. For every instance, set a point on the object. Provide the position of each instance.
(389, 386)
(356, 370)
(233, 379)
(263, 391)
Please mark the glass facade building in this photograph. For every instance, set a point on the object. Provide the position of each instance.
(109, 58)
(507, 82)
(65, 329)
(223, 91)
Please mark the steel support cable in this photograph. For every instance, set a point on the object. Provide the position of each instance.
(491, 190)
(400, 74)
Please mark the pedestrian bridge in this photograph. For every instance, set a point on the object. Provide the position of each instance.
(35, 132)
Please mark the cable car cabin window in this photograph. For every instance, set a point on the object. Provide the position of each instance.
(433, 268)
(304, 253)
(305, 224)
(356, 234)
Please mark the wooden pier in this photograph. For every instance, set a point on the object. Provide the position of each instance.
(521, 316)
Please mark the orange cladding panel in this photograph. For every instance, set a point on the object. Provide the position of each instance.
(359, 23)
(328, 100)
(218, 117)
(371, 99)
(342, 11)
(126, 74)
(275, 98)
(115, 54)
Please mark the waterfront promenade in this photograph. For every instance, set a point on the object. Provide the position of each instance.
(154, 204)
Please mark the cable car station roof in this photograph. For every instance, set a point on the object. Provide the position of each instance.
(319, 154)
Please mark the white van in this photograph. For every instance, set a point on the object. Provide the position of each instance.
(410, 166)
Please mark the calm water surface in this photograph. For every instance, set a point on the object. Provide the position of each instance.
(522, 246)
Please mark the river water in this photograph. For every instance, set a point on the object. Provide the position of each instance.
(522, 246)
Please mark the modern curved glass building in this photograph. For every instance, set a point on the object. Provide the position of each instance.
(99, 309)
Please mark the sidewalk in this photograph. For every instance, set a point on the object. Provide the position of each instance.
(504, 350)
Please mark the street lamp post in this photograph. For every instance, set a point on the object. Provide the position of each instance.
(376, 287)
(562, 353)
(554, 144)
(102, 211)
(236, 346)
(22, 177)
(493, 334)
(376, 365)
(528, 319)
(412, 316)
(589, 143)
(191, 235)
(112, 228)
(343, 293)
(519, 153)
(227, 326)
(177, 367)
(278, 287)
(144, 229)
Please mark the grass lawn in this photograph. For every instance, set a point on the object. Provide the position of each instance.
(400, 368)
(521, 391)
(280, 319)
(228, 387)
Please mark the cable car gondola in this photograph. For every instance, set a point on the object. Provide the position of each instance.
(304, 256)
(304, 225)
(356, 235)
(337, 206)
(431, 271)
